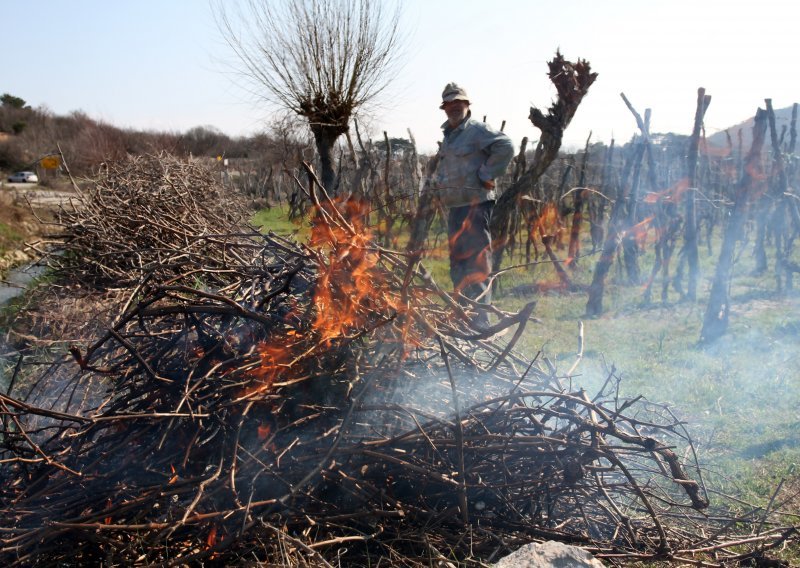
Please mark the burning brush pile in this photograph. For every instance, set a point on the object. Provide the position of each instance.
(327, 404)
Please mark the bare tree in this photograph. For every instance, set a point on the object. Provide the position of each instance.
(322, 59)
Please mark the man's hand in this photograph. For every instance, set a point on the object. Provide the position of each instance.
(488, 185)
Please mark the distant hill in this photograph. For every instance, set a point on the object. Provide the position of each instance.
(783, 119)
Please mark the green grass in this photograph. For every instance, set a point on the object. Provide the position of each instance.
(7, 232)
(8, 236)
(275, 219)
(739, 396)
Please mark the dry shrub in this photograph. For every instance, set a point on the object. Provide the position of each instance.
(145, 212)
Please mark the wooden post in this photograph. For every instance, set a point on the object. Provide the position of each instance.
(690, 234)
(715, 322)
(574, 250)
(780, 206)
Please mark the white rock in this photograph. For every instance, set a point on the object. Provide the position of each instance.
(549, 554)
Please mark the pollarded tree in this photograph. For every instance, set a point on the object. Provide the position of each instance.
(572, 82)
(323, 59)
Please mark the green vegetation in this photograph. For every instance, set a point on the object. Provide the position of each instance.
(12, 101)
(274, 219)
(737, 396)
(9, 237)
(8, 233)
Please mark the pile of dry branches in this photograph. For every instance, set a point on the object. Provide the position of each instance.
(329, 404)
(141, 216)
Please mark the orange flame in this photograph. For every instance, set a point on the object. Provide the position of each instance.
(555, 285)
(671, 194)
(465, 226)
(482, 263)
(211, 539)
(549, 222)
(350, 291)
(107, 520)
(264, 431)
(756, 171)
(275, 359)
(470, 279)
(639, 230)
(350, 286)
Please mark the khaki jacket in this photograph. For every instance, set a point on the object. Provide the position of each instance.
(471, 153)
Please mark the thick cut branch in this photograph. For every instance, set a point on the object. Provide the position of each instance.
(572, 82)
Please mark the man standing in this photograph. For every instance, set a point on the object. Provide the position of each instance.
(471, 157)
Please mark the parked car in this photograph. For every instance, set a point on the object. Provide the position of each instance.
(23, 177)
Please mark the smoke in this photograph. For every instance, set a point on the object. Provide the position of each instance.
(737, 396)
(423, 394)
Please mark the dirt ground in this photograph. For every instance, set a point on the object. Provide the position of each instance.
(22, 208)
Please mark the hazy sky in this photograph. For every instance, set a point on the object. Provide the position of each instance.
(162, 65)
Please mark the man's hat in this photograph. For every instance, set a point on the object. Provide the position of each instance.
(452, 92)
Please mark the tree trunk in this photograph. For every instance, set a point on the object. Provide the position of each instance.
(325, 138)
(630, 247)
(594, 304)
(791, 176)
(574, 250)
(780, 187)
(715, 322)
(760, 247)
(668, 249)
(420, 224)
(558, 230)
(690, 235)
(566, 283)
(521, 163)
(597, 203)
